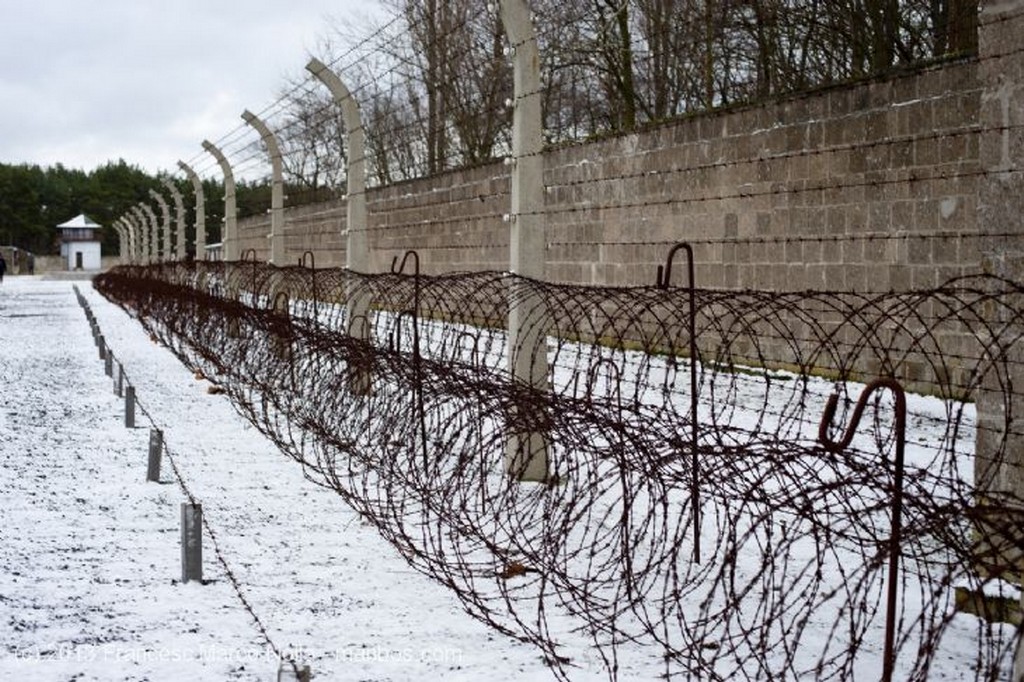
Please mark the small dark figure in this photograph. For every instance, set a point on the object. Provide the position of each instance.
(3, 268)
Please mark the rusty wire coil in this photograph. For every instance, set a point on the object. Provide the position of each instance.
(393, 390)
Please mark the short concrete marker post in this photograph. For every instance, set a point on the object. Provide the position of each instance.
(156, 449)
(129, 407)
(191, 542)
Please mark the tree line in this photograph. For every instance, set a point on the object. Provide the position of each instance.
(35, 199)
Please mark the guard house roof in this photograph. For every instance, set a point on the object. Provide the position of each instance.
(79, 222)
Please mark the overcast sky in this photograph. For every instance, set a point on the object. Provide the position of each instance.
(83, 82)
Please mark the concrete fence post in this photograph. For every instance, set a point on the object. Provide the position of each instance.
(229, 237)
(156, 449)
(527, 450)
(131, 235)
(200, 195)
(126, 230)
(122, 241)
(999, 438)
(143, 230)
(165, 216)
(357, 250)
(276, 236)
(191, 542)
(179, 220)
(154, 233)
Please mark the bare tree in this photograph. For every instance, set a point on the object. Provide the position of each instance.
(433, 88)
(310, 135)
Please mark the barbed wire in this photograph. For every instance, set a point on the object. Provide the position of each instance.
(446, 127)
(393, 391)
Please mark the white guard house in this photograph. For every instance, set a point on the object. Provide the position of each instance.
(79, 243)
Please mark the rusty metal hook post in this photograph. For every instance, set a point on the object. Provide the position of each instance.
(474, 349)
(399, 269)
(312, 276)
(282, 343)
(663, 281)
(613, 372)
(417, 366)
(476, 362)
(246, 258)
(281, 303)
(896, 524)
(362, 320)
(359, 371)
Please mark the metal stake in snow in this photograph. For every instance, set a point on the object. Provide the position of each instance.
(191, 542)
(1018, 664)
(289, 671)
(119, 381)
(129, 407)
(156, 449)
(664, 280)
(896, 522)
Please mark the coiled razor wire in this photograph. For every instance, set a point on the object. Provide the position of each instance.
(393, 390)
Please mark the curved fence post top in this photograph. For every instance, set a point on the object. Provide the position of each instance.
(276, 236)
(342, 95)
(225, 165)
(357, 254)
(229, 238)
(165, 211)
(179, 218)
(264, 130)
(200, 220)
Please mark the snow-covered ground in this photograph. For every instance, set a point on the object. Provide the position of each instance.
(90, 554)
(90, 560)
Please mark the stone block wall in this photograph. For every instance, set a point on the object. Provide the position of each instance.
(865, 187)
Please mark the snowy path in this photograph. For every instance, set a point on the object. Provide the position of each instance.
(90, 553)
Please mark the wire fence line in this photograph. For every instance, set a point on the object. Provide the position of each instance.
(752, 544)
